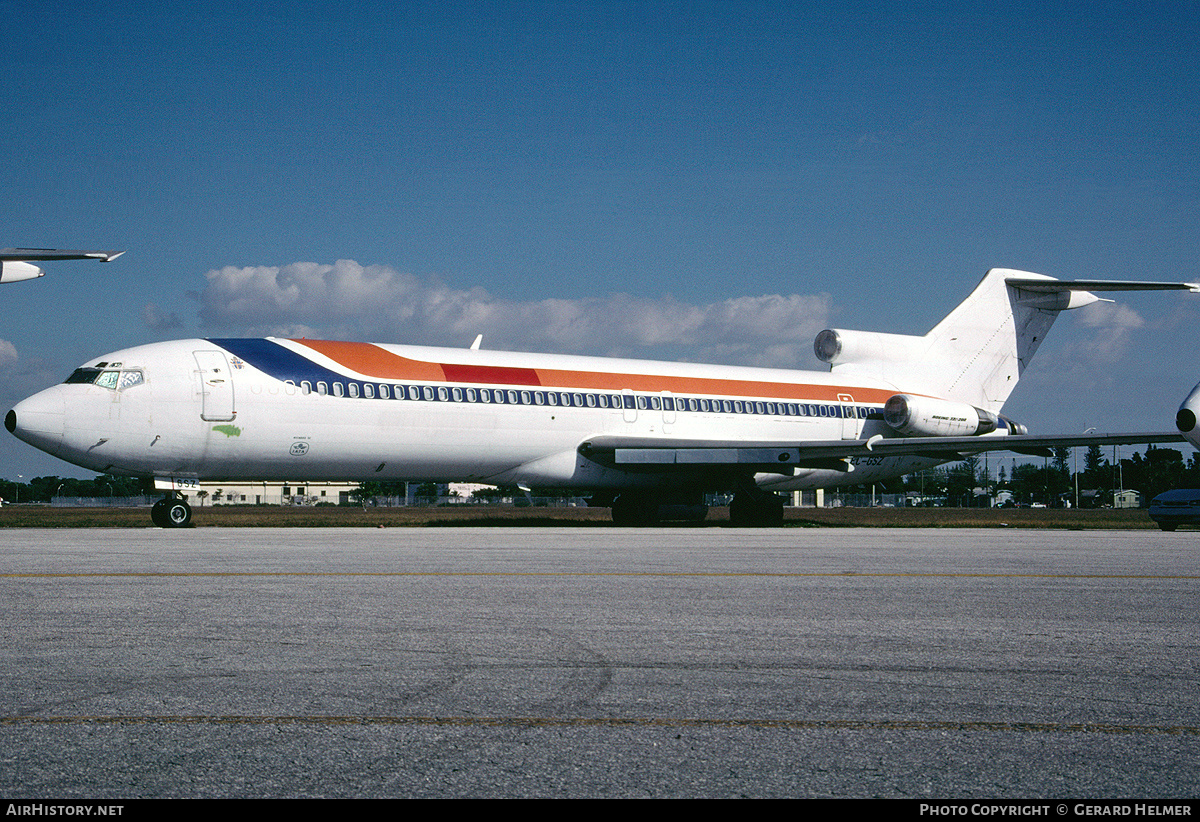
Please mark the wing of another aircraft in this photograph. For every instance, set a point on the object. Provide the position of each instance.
(650, 454)
(17, 264)
(40, 254)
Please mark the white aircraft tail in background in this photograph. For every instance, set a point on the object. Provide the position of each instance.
(17, 264)
(649, 439)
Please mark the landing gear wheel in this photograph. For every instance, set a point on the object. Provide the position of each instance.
(171, 513)
(747, 511)
(179, 514)
(158, 513)
(633, 511)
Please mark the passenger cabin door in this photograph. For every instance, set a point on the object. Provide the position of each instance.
(216, 386)
(668, 411)
(851, 424)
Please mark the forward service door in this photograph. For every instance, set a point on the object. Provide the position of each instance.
(216, 386)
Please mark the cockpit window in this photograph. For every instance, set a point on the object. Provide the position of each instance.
(129, 379)
(106, 378)
(83, 375)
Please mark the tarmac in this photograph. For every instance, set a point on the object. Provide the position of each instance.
(568, 662)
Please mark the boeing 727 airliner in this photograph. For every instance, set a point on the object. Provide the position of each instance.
(647, 438)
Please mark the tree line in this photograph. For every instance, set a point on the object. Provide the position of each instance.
(42, 489)
(1052, 481)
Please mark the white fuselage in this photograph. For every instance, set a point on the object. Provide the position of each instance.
(284, 409)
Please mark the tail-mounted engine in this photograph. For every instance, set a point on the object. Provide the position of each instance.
(931, 417)
(837, 347)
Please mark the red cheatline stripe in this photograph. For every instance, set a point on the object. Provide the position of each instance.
(490, 374)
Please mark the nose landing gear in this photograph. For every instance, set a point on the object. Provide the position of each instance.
(171, 512)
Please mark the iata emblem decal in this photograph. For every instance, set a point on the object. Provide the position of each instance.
(299, 449)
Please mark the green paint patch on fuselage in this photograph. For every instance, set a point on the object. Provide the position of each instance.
(228, 430)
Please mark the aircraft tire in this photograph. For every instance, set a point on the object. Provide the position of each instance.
(746, 511)
(171, 513)
(631, 511)
(179, 514)
(158, 513)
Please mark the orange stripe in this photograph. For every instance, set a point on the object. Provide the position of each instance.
(376, 362)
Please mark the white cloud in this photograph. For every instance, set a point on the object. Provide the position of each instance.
(349, 301)
(1114, 326)
(8, 354)
(158, 320)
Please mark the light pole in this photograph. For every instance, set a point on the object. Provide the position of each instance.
(1076, 455)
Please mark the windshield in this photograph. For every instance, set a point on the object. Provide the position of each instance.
(118, 380)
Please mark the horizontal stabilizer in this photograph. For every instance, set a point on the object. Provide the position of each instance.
(1050, 286)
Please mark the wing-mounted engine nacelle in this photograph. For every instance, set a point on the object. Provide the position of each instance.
(931, 417)
(13, 271)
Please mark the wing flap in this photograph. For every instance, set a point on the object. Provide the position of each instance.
(783, 456)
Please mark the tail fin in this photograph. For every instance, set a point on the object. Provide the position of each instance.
(979, 351)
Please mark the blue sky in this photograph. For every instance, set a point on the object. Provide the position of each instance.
(603, 178)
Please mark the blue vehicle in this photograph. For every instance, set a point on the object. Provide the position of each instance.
(1171, 509)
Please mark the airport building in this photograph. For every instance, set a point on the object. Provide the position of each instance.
(273, 493)
(319, 493)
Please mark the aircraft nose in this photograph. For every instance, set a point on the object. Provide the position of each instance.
(38, 421)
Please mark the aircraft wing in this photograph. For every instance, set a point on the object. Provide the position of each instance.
(40, 254)
(659, 454)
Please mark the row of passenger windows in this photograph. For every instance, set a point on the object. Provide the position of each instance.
(568, 399)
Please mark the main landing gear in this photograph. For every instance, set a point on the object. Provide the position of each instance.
(636, 510)
(752, 507)
(171, 512)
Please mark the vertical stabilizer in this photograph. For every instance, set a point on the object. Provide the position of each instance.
(977, 353)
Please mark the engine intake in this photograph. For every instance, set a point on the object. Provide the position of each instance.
(837, 346)
(931, 417)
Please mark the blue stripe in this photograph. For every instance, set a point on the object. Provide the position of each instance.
(281, 363)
